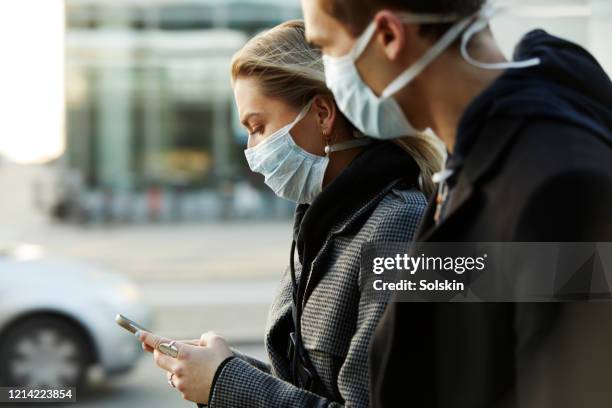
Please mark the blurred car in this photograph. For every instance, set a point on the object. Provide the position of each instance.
(57, 320)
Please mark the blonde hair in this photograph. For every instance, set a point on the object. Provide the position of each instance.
(287, 67)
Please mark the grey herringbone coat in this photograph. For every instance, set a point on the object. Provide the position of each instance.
(336, 323)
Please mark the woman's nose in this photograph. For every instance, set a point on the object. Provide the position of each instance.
(253, 141)
(250, 142)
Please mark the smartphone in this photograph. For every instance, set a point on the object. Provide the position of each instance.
(128, 324)
(168, 349)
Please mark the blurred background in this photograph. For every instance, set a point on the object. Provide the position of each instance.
(124, 185)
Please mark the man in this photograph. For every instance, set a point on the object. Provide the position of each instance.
(530, 159)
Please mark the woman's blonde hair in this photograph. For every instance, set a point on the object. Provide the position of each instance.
(287, 67)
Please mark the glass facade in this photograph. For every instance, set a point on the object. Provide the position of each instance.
(151, 127)
(150, 122)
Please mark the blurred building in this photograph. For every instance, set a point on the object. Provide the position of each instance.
(151, 129)
(585, 22)
(150, 122)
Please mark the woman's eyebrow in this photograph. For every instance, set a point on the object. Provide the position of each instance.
(245, 118)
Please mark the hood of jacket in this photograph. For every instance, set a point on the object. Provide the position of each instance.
(568, 85)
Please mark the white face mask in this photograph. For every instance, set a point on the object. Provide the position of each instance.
(381, 117)
(290, 171)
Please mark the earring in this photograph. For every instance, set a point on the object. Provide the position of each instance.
(325, 133)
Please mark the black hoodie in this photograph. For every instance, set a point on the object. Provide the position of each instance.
(568, 86)
(532, 162)
(536, 144)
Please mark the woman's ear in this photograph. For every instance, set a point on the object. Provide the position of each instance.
(326, 111)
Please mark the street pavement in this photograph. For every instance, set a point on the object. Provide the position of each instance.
(171, 252)
(237, 310)
(144, 387)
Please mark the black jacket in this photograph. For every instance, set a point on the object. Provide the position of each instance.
(533, 162)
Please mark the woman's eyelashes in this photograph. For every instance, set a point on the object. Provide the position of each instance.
(255, 131)
(253, 127)
(255, 135)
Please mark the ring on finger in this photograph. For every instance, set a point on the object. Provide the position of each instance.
(168, 349)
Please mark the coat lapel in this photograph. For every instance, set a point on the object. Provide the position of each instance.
(427, 222)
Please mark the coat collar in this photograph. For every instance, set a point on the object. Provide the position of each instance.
(494, 139)
(369, 173)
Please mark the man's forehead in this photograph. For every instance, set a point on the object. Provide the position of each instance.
(320, 25)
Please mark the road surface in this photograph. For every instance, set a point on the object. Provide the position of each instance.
(145, 387)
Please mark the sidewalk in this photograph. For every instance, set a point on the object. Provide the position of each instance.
(173, 252)
(236, 310)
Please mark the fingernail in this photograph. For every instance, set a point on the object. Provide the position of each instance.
(138, 335)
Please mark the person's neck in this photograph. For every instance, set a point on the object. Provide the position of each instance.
(447, 88)
(339, 161)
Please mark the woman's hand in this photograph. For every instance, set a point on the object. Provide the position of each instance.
(149, 349)
(193, 370)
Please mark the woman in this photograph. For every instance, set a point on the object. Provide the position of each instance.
(350, 191)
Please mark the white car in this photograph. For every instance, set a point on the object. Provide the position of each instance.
(57, 320)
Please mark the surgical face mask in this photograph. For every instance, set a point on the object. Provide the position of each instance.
(290, 171)
(381, 116)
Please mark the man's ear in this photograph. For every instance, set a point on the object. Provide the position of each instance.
(326, 111)
(393, 34)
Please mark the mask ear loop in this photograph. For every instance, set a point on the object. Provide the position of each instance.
(347, 145)
(362, 42)
(480, 24)
(409, 18)
(358, 141)
(424, 18)
(302, 114)
(434, 52)
(282, 131)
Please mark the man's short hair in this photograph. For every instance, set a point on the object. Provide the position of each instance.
(357, 14)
